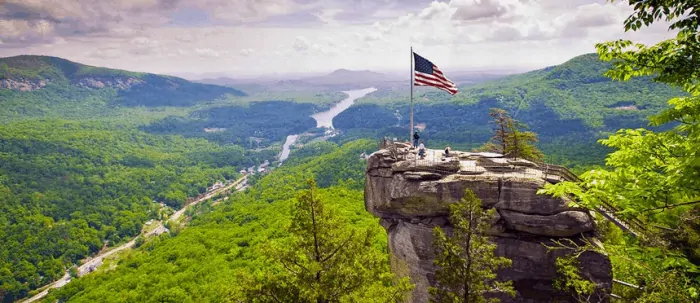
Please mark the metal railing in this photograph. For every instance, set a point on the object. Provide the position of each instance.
(631, 225)
(437, 163)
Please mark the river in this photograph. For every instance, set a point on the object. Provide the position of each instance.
(325, 119)
(285, 148)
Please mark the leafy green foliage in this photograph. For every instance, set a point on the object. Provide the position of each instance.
(654, 174)
(88, 90)
(570, 279)
(67, 187)
(311, 150)
(662, 274)
(214, 258)
(510, 137)
(254, 125)
(559, 103)
(324, 260)
(465, 259)
(320, 100)
(52, 68)
(159, 90)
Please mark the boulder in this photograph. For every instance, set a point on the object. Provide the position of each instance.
(419, 175)
(522, 162)
(563, 224)
(412, 199)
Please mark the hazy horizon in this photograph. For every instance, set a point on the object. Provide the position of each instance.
(266, 37)
(301, 75)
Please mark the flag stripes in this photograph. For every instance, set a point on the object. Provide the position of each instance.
(428, 74)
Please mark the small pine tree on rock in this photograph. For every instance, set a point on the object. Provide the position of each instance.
(511, 138)
(465, 259)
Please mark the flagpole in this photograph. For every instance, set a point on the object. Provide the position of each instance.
(410, 135)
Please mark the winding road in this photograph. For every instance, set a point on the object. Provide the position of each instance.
(91, 263)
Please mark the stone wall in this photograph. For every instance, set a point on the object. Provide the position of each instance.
(412, 196)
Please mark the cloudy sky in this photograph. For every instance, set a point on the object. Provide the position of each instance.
(253, 37)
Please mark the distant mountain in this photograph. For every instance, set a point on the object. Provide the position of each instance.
(575, 91)
(46, 81)
(344, 76)
(342, 79)
(569, 105)
(338, 80)
(224, 81)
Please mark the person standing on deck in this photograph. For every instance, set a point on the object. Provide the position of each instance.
(421, 150)
(415, 139)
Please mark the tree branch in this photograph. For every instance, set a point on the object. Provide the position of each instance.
(670, 206)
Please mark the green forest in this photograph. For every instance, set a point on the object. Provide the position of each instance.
(89, 154)
(68, 187)
(86, 159)
(226, 244)
(570, 106)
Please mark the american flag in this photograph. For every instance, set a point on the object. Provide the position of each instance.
(427, 74)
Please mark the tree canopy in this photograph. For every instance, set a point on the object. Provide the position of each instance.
(654, 175)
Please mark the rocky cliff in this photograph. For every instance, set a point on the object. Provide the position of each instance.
(22, 85)
(412, 196)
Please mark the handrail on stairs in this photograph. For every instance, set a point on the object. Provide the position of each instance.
(607, 210)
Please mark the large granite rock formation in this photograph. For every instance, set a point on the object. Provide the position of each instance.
(412, 196)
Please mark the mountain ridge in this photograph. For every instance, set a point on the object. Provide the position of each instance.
(42, 83)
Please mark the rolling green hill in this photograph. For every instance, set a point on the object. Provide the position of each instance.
(76, 170)
(574, 90)
(209, 260)
(40, 86)
(67, 187)
(568, 105)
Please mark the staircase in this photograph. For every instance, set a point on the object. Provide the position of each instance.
(550, 173)
(633, 226)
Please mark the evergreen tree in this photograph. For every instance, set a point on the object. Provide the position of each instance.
(325, 260)
(465, 260)
(511, 137)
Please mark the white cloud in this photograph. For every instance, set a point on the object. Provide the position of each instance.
(43, 20)
(105, 53)
(301, 44)
(505, 33)
(479, 10)
(436, 11)
(206, 52)
(247, 10)
(144, 46)
(24, 30)
(327, 16)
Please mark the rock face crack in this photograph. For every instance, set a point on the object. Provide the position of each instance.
(412, 197)
(500, 189)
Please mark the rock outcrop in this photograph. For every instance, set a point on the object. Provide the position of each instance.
(116, 82)
(412, 196)
(22, 85)
(121, 83)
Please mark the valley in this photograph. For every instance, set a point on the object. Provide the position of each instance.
(183, 147)
(89, 265)
(324, 120)
(555, 155)
(95, 161)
